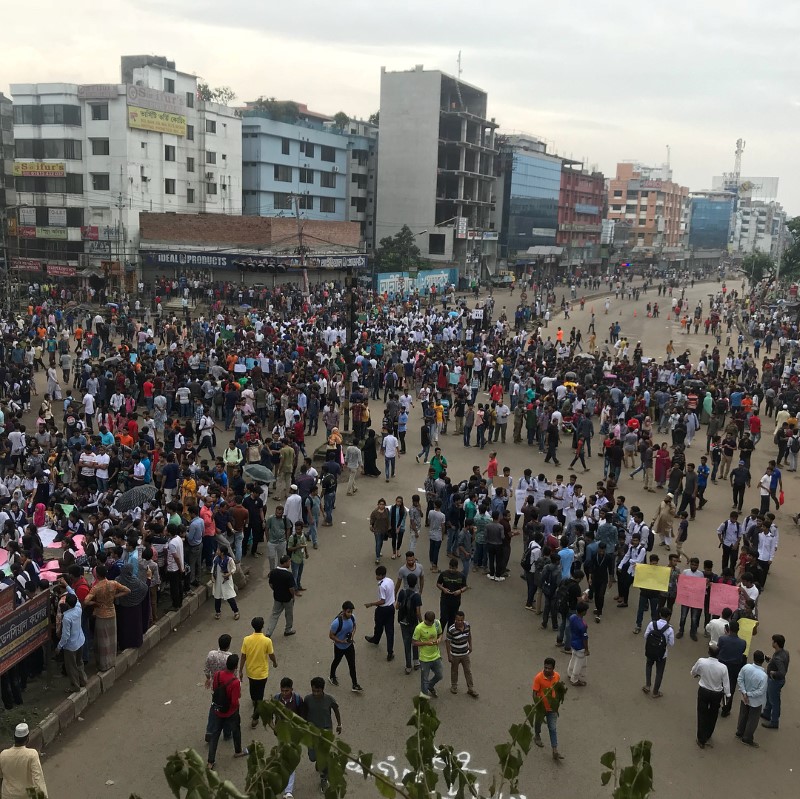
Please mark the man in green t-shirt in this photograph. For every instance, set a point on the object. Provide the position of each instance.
(427, 637)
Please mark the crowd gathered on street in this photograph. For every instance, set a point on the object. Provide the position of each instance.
(168, 451)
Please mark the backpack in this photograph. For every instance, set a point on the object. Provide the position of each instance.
(550, 581)
(562, 596)
(220, 701)
(650, 542)
(527, 559)
(655, 645)
(405, 612)
(794, 444)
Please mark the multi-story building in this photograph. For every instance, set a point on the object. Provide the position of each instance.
(759, 226)
(710, 214)
(302, 157)
(529, 187)
(437, 167)
(8, 195)
(90, 158)
(580, 214)
(654, 206)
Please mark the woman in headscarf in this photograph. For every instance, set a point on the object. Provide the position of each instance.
(222, 571)
(133, 610)
(663, 463)
(370, 452)
(102, 597)
(40, 515)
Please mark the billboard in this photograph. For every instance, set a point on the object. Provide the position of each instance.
(98, 91)
(61, 270)
(38, 169)
(52, 233)
(761, 188)
(170, 259)
(26, 265)
(155, 100)
(23, 630)
(157, 121)
(100, 249)
(57, 217)
(403, 283)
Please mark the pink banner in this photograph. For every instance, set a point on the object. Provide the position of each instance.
(691, 591)
(723, 596)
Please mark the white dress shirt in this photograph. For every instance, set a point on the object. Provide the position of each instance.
(713, 675)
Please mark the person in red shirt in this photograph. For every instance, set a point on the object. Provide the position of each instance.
(226, 714)
(77, 582)
(299, 429)
(496, 392)
(147, 390)
(755, 427)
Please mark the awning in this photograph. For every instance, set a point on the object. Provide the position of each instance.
(544, 250)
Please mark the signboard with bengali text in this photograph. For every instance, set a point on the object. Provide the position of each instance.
(61, 270)
(52, 233)
(157, 121)
(26, 264)
(23, 630)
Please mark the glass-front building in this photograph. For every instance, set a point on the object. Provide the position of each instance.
(709, 222)
(530, 204)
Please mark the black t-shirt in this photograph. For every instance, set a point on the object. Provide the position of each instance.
(452, 581)
(281, 581)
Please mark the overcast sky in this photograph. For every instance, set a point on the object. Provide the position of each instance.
(603, 81)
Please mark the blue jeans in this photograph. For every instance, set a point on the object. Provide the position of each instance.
(378, 545)
(550, 719)
(644, 601)
(428, 668)
(772, 708)
(297, 573)
(452, 535)
(426, 452)
(465, 567)
(479, 556)
(467, 435)
(329, 500)
(312, 531)
(238, 540)
(389, 464)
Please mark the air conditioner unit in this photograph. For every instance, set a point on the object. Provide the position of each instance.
(209, 176)
(334, 169)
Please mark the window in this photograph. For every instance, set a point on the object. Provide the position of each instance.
(327, 205)
(618, 192)
(67, 149)
(190, 196)
(169, 85)
(169, 152)
(211, 188)
(190, 164)
(169, 185)
(436, 243)
(306, 175)
(306, 202)
(190, 133)
(99, 110)
(307, 149)
(74, 184)
(211, 126)
(282, 201)
(327, 180)
(327, 153)
(100, 181)
(74, 217)
(211, 157)
(285, 146)
(48, 115)
(282, 174)
(100, 146)
(190, 99)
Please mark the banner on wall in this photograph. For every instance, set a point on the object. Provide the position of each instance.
(403, 283)
(171, 259)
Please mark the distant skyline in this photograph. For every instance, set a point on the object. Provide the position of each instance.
(600, 82)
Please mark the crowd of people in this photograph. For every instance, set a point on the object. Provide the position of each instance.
(165, 451)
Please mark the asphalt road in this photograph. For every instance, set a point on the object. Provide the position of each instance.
(161, 705)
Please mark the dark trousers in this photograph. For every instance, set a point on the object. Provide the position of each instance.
(384, 622)
(599, 589)
(730, 555)
(230, 725)
(748, 721)
(695, 618)
(733, 674)
(493, 552)
(257, 690)
(624, 582)
(738, 497)
(708, 703)
(447, 611)
(550, 612)
(660, 665)
(176, 588)
(764, 508)
(349, 654)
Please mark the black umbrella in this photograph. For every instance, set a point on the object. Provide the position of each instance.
(135, 498)
(259, 473)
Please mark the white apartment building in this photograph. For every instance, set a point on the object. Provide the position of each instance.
(91, 157)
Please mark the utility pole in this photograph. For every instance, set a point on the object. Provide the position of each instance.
(300, 246)
(6, 282)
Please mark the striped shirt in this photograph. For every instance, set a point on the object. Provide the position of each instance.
(458, 640)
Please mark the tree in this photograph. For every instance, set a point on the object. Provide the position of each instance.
(399, 253)
(374, 119)
(268, 773)
(757, 266)
(220, 94)
(279, 110)
(341, 120)
(790, 262)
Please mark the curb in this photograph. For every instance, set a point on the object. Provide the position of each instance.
(67, 711)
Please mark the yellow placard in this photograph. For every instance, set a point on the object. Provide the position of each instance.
(653, 578)
(158, 121)
(746, 627)
(52, 233)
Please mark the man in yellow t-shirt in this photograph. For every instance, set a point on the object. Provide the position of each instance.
(257, 651)
(427, 637)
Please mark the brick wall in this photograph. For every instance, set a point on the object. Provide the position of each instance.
(248, 231)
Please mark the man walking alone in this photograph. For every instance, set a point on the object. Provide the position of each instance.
(714, 688)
